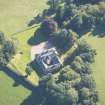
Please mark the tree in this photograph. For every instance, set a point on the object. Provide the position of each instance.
(80, 67)
(49, 27)
(60, 93)
(3, 61)
(88, 81)
(84, 93)
(88, 96)
(82, 2)
(66, 38)
(77, 23)
(72, 96)
(67, 74)
(9, 49)
(88, 57)
(59, 17)
(74, 37)
(69, 1)
(95, 96)
(54, 4)
(88, 102)
(83, 47)
(86, 52)
(2, 38)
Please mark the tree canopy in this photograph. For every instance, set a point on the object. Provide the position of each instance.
(7, 50)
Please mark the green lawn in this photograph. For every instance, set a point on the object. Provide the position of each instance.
(10, 95)
(14, 17)
(99, 66)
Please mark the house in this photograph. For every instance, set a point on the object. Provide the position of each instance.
(48, 60)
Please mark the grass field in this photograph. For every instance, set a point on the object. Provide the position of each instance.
(14, 17)
(99, 66)
(10, 95)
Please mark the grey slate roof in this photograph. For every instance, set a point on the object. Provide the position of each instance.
(48, 60)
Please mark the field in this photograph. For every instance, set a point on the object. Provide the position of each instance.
(14, 18)
(99, 66)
